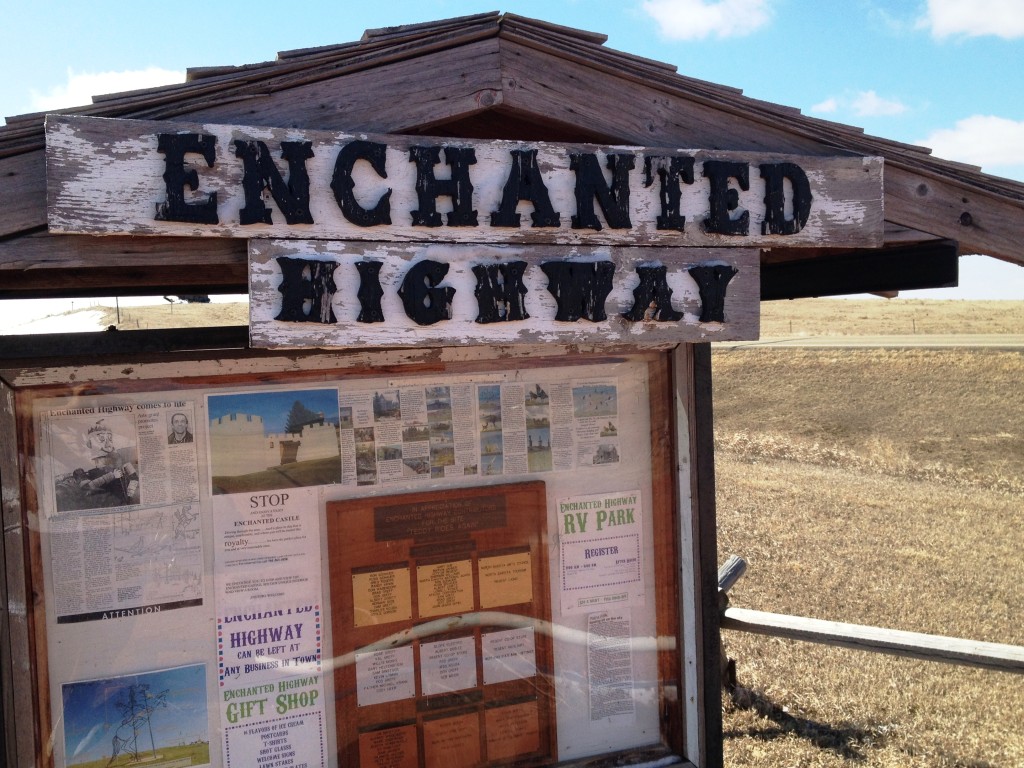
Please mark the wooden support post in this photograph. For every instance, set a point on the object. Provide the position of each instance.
(700, 633)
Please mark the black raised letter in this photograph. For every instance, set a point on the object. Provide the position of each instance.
(342, 184)
(500, 293)
(426, 303)
(524, 183)
(579, 288)
(459, 188)
(712, 282)
(671, 170)
(725, 200)
(652, 299)
(614, 200)
(261, 173)
(775, 221)
(369, 292)
(307, 280)
(174, 147)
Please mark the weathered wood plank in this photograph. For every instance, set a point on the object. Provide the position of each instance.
(132, 369)
(18, 676)
(731, 572)
(705, 540)
(573, 92)
(41, 250)
(22, 192)
(55, 266)
(905, 268)
(376, 92)
(665, 514)
(914, 645)
(980, 222)
(399, 329)
(106, 177)
(699, 636)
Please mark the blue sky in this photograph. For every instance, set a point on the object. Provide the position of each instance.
(948, 74)
(275, 405)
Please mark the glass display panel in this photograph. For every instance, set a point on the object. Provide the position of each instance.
(471, 566)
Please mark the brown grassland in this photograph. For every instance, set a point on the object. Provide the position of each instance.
(874, 317)
(881, 487)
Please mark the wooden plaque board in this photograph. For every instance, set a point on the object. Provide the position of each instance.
(441, 695)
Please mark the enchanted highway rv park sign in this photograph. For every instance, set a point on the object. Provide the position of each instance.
(387, 240)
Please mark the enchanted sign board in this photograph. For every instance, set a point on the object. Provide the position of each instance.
(306, 293)
(134, 177)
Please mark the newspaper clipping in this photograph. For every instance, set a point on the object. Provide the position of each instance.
(424, 432)
(121, 501)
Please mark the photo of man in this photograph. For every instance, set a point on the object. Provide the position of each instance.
(180, 432)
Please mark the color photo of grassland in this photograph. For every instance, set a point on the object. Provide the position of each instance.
(881, 487)
(179, 757)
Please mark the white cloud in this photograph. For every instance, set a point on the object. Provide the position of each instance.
(698, 19)
(861, 103)
(870, 104)
(985, 140)
(975, 18)
(80, 87)
(826, 107)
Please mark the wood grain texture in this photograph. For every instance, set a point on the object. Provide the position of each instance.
(931, 203)
(42, 250)
(575, 91)
(134, 371)
(398, 330)
(666, 569)
(22, 193)
(16, 667)
(106, 177)
(701, 638)
(389, 98)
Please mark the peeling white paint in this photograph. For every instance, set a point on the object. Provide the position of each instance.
(741, 309)
(105, 177)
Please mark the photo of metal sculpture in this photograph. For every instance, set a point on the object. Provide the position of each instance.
(137, 708)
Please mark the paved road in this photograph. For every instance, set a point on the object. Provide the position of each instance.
(990, 341)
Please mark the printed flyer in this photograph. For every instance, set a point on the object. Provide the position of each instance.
(268, 452)
(262, 550)
(610, 668)
(601, 551)
(271, 688)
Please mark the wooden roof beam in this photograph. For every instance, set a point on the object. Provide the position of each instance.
(871, 271)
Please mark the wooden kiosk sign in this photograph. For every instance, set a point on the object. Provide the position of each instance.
(593, 209)
(493, 548)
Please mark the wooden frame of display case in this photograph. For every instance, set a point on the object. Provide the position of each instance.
(682, 504)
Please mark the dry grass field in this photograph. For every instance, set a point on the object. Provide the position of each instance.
(874, 317)
(882, 487)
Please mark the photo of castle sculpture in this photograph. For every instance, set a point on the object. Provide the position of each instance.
(262, 441)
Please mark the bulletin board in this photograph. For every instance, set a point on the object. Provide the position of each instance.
(315, 561)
